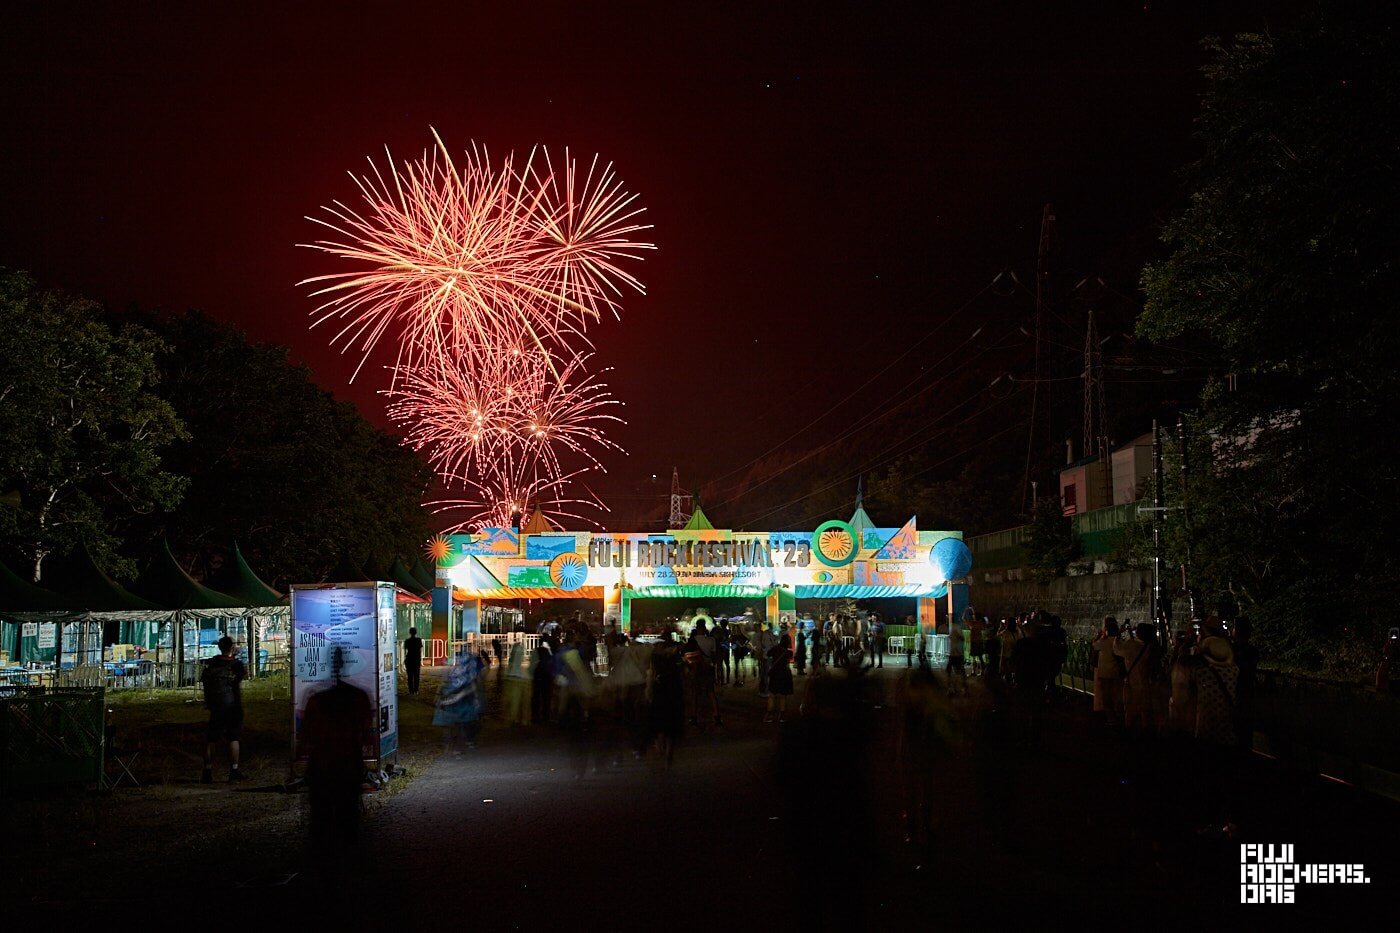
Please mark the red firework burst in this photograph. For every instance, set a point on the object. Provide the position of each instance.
(487, 275)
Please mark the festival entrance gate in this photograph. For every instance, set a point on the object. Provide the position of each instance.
(836, 560)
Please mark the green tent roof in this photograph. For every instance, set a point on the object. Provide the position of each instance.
(860, 521)
(237, 579)
(400, 574)
(698, 520)
(347, 571)
(18, 594)
(87, 588)
(375, 569)
(423, 574)
(166, 583)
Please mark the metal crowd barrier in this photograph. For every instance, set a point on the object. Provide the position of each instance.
(50, 737)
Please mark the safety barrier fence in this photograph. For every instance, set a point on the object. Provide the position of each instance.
(51, 736)
(1343, 731)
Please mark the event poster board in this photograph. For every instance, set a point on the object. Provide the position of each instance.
(388, 707)
(358, 618)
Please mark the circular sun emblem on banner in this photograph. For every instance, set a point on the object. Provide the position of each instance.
(834, 543)
(568, 571)
(438, 549)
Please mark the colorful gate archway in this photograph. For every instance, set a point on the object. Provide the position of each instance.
(837, 559)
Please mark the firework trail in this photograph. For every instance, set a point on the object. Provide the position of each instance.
(486, 276)
(519, 408)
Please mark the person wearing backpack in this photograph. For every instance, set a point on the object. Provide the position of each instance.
(221, 680)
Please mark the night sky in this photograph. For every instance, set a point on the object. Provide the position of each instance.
(825, 185)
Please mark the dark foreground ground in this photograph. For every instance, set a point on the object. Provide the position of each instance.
(756, 827)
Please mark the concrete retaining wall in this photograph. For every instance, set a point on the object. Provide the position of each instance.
(1081, 602)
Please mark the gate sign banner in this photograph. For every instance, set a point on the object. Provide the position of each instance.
(358, 619)
(836, 559)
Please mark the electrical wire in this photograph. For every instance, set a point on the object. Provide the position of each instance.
(910, 349)
(847, 478)
(873, 416)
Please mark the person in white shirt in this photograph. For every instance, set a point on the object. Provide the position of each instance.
(765, 642)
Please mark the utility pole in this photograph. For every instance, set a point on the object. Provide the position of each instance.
(1095, 411)
(1095, 414)
(1042, 274)
(1160, 613)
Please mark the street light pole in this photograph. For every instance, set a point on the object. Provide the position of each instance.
(1159, 613)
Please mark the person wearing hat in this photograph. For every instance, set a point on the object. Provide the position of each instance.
(1216, 683)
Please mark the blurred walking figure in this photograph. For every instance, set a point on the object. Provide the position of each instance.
(460, 703)
(922, 742)
(742, 650)
(779, 676)
(956, 656)
(222, 680)
(801, 651)
(1031, 662)
(573, 678)
(627, 679)
(991, 648)
(542, 680)
(665, 692)
(338, 723)
(877, 642)
(977, 637)
(517, 686)
(413, 660)
(822, 768)
(722, 650)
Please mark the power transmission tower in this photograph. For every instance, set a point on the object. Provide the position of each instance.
(678, 516)
(1095, 417)
(1042, 274)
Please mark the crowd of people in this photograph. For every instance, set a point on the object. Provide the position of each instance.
(665, 679)
(660, 679)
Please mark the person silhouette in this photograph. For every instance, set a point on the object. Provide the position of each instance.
(337, 725)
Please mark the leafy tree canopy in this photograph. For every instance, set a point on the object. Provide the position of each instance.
(83, 427)
(276, 463)
(1285, 263)
(1051, 545)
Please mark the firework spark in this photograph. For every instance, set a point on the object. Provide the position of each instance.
(466, 260)
(486, 276)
